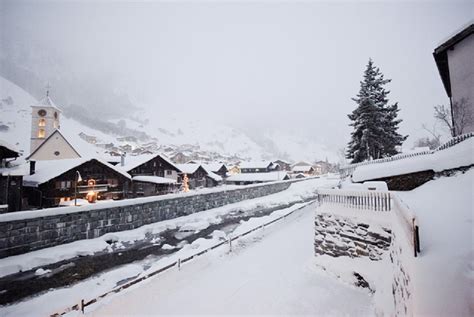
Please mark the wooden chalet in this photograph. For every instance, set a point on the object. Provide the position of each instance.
(284, 166)
(54, 183)
(198, 176)
(258, 167)
(153, 174)
(11, 179)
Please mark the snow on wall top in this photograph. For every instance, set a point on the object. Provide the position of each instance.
(461, 154)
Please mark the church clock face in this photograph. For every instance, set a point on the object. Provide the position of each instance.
(42, 113)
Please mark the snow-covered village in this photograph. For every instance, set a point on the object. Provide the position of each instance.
(236, 158)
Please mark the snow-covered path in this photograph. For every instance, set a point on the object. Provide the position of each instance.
(271, 272)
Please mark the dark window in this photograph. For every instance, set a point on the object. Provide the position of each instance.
(42, 112)
(57, 153)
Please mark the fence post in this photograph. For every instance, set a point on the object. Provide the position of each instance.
(230, 244)
(179, 264)
(81, 306)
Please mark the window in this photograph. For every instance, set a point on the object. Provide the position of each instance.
(41, 133)
(56, 153)
(41, 122)
(42, 113)
(63, 185)
(168, 172)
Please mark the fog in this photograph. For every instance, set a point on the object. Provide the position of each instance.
(255, 65)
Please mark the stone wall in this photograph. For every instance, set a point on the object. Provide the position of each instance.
(340, 236)
(401, 283)
(337, 236)
(50, 227)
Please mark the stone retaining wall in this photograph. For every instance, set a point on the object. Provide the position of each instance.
(24, 235)
(340, 236)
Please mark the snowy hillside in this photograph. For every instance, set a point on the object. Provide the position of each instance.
(209, 137)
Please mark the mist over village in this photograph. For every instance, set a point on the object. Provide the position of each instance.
(236, 158)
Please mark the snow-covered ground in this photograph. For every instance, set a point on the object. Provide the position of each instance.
(443, 276)
(62, 298)
(270, 272)
(461, 154)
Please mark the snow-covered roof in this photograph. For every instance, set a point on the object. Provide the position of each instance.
(189, 168)
(302, 168)
(48, 102)
(154, 179)
(134, 161)
(211, 174)
(256, 164)
(257, 177)
(47, 170)
(213, 167)
(8, 146)
(16, 170)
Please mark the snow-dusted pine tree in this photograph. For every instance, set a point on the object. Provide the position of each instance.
(374, 120)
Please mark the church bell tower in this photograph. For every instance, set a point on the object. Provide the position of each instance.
(44, 121)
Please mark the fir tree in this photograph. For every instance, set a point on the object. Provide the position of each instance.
(374, 121)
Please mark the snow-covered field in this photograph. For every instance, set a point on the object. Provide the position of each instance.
(270, 272)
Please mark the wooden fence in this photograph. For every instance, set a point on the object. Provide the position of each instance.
(378, 201)
(349, 169)
(366, 200)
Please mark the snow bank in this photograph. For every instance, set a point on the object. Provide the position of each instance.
(461, 154)
(443, 274)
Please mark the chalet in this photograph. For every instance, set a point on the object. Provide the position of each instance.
(11, 178)
(213, 179)
(284, 165)
(198, 176)
(258, 167)
(299, 176)
(305, 169)
(53, 182)
(235, 169)
(454, 59)
(255, 178)
(152, 174)
(217, 168)
(181, 157)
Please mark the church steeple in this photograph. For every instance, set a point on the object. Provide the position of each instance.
(44, 120)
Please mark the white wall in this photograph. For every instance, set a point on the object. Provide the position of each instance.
(461, 73)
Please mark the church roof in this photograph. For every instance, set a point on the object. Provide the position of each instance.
(47, 102)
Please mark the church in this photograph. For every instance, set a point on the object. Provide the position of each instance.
(58, 174)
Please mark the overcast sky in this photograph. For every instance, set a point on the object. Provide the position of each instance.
(292, 65)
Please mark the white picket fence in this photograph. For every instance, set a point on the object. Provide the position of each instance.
(349, 169)
(377, 201)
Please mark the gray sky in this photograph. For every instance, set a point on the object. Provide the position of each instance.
(292, 65)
